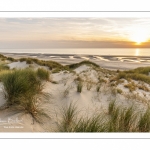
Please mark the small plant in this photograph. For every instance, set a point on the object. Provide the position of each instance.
(4, 67)
(29, 61)
(2, 56)
(102, 80)
(143, 87)
(113, 91)
(93, 124)
(144, 122)
(18, 83)
(57, 70)
(120, 81)
(79, 87)
(23, 92)
(32, 105)
(22, 59)
(68, 118)
(113, 79)
(10, 59)
(3, 59)
(113, 84)
(119, 91)
(70, 122)
(131, 86)
(89, 85)
(127, 120)
(111, 107)
(98, 88)
(78, 79)
(136, 97)
(43, 74)
(66, 92)
(121, 119)
(54, 82)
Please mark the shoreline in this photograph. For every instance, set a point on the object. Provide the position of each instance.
(52, 54)
(113, 62)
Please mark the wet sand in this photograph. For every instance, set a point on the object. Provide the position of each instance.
(108, 62)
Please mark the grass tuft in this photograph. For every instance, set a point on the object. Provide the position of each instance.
(68, 118)
(11, 59)
(19, 83)
(79, 87)
(23, 92)
(43, 74)
(144, 122)
(131, 86)
(121, 119)
(93, 124)
(3, 67)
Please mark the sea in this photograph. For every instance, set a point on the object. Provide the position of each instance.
(86, 51)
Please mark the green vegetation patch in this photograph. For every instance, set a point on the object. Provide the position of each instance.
(23, 92)
(20, 83)
(50, 64)
(118, 119)
(4, 67)
(134, 76)
(131, 86)
(79, 87)
(140, 70)
(74, 66)
(43, 74)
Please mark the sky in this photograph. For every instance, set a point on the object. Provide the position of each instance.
(74, 32)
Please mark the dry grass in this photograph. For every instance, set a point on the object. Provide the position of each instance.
(23, 92)
(131, 86)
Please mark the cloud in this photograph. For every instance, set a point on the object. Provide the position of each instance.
(16, 30)
(69, 44)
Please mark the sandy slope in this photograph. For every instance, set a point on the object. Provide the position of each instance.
(18, 65)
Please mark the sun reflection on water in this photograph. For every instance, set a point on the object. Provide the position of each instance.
(137, 51)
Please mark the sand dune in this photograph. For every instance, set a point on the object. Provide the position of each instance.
(63, 91)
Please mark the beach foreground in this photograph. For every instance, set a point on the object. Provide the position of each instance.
(72, 95)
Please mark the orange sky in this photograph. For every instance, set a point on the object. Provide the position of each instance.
(74, 32)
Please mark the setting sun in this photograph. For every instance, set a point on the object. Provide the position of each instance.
(139, 35)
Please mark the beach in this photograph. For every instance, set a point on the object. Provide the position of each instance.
(109, 62)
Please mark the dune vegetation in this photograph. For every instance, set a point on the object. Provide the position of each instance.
(105, 100)
(118, 119)
(23, 91)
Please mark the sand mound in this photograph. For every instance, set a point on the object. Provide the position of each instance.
(18, 65)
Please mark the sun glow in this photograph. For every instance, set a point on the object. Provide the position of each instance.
(139, 35)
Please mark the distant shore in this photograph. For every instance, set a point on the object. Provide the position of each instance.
(108, 62)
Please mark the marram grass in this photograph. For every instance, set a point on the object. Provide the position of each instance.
(23, 92)
(118, 119)
(43, 74)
